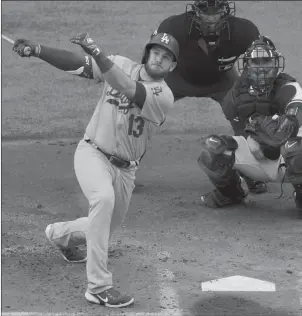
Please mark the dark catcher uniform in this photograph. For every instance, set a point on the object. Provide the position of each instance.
(268, 103)
(211, 39)
(204, 71)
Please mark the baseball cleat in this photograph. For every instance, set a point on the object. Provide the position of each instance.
(215, 199)
(298, 200)
(255, 187)
(110, 298)
(72, 255)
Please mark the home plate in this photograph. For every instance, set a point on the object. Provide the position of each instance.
(238, 283)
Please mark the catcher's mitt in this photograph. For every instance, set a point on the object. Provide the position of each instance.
(273, 131)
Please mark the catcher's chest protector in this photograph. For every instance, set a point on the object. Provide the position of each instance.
(248, 104)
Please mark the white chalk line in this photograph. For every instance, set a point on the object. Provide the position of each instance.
(168, 298)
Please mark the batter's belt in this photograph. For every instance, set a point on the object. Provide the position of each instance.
(116, 161)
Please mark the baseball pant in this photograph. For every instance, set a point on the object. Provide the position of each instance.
(108, 190)
(265, 170)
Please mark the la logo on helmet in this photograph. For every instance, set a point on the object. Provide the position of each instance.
(165, 38)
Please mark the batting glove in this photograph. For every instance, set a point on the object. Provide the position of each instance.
(87, 43)
(26, 48)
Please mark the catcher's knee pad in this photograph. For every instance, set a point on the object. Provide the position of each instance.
(217, 158)
(292, 154)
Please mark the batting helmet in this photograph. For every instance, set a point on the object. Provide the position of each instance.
(164, 40)
(261, 63)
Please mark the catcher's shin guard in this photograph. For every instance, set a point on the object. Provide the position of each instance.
(233, 193)
(217, 158)
(292, 154)
(298, 197)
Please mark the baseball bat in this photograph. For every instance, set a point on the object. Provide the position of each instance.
(9, 40)
(27, 50)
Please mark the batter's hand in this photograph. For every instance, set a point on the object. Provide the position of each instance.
(87, 43)
(26, 48)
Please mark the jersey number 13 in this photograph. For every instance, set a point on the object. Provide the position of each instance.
(136, 125)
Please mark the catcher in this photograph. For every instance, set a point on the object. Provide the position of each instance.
(269, 104)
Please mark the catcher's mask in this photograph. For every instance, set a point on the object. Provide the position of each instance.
(261, 64)
(210, 16)
(164, 40)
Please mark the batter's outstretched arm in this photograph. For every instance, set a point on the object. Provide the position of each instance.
(114, 75)
(119, 80)
(70, 62)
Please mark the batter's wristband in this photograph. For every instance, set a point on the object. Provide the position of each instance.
(38, 50)
(104, 63)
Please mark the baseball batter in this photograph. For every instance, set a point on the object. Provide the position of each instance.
(269, 104)
(133, 105)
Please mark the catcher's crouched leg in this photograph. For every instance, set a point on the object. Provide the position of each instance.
(292, 154)
(217, 160)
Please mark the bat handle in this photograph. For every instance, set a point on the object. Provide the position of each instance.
(27, 50)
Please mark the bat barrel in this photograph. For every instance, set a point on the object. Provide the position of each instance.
(9, 40)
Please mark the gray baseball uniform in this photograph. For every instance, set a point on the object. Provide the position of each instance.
(118, 127)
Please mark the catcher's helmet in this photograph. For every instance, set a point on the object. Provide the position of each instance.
(210, 16)
(261, 64)
(164, 40)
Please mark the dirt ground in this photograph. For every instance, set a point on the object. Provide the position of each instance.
(167, 246)
(168, 243)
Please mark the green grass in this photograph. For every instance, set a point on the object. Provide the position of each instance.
(41, 101)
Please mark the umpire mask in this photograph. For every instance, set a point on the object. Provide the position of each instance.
(210, 16)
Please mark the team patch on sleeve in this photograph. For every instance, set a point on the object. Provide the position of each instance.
(157, 90)
(159, 99)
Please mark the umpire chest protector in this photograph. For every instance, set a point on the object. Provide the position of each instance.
(247, 104)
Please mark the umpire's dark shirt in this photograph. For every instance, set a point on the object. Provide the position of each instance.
(195, 66)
